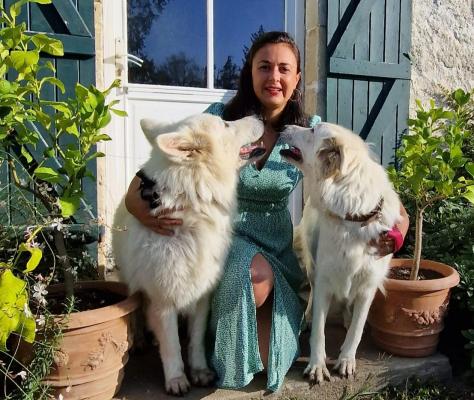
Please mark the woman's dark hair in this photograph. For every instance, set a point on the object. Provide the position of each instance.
(245, 102)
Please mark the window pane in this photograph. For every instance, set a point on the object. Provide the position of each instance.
(235, 25)
(170, 36)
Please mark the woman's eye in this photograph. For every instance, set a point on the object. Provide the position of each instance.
(263, 67)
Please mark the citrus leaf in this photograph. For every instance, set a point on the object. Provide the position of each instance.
(48, 174)
(35, 258)
(69, 205)
(470, 168)
(13, 301)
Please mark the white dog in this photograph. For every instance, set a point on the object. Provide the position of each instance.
(194, 167)
(351, 201)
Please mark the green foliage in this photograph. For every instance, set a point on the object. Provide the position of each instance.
(432, 164)
(15, 314)
(415, 390)
(24, 379)
(70, 131)
(71, 128)
(469, 335)
(448, 236)
(77, 121)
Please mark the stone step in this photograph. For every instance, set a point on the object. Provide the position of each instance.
(143, 378)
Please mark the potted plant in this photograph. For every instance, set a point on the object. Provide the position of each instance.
(407, 319)
(93, 349)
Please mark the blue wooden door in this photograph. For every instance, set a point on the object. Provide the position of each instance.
(72, 22)
(368, 82)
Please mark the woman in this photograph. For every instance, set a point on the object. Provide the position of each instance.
(256, 312)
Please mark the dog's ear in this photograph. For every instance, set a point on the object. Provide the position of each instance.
(175, 144)
(330, 155)
(182, 145)
(152, 128)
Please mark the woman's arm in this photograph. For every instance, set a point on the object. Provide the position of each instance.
(405, 222)
(140, 209)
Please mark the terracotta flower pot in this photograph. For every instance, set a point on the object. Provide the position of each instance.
(94, 347)
(408, 320)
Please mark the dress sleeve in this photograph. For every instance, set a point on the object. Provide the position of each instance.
(313, 120)
(215, 109)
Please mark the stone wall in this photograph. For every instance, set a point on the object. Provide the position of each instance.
(315, 58)
(442, 47)
(442, 50)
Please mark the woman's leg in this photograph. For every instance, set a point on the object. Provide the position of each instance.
(262, 283)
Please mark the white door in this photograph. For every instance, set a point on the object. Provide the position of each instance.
(162, 50)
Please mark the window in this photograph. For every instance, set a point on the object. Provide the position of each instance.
(171, 37)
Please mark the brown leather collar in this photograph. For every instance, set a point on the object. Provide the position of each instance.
(366, 219)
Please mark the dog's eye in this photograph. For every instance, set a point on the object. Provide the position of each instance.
(226, 124)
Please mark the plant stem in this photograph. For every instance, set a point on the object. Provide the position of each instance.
(418, 242)
(64, 260)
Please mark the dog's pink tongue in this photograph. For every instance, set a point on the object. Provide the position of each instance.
(250, 150)
(296, 152)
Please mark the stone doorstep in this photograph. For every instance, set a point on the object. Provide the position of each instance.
(144, 378)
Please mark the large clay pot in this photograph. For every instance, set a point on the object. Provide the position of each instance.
(94, 347)
(408, 320)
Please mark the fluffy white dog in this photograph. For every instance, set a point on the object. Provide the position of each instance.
(193, 169)
(351, 201)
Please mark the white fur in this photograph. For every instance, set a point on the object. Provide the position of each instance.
(194, 164)
(346, 268)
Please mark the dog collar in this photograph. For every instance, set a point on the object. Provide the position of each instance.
(146, 190)
(366, 219)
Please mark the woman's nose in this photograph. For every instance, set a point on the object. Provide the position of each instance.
(275, 75)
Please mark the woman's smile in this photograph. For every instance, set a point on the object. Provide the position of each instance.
(273, 90)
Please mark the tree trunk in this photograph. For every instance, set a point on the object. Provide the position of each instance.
(66, 265)
(418, 242)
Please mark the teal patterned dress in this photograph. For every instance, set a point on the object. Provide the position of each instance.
(262, 225)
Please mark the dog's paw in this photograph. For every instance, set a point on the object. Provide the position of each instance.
(202, 377)
(346, 366)
(317, 372)
(178, 386)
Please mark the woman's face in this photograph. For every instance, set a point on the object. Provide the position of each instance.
(274, 76)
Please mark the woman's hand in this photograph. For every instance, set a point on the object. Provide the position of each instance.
(384, 245)
(140, 209)
(390, 242)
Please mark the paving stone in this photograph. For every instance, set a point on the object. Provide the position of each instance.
(144, 377)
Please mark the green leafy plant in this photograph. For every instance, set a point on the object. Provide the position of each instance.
(15, 314)
(70, 128)
(414, 389)
(469, 335)
(431, 163)
(448, 236)
(49, 146)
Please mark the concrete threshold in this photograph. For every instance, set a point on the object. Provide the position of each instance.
(143, 378)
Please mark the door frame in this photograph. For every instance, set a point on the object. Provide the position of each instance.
(113, 175)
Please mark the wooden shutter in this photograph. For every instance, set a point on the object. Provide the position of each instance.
(72, 22)
(368, 78)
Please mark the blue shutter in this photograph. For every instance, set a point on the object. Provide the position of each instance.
(368, 77)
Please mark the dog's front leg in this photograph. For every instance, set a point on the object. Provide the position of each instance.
(201, 375)
(164, 324)
(316, 369)
(346, 363)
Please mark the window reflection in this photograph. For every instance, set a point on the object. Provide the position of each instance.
(236, 24)
(170, 37)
